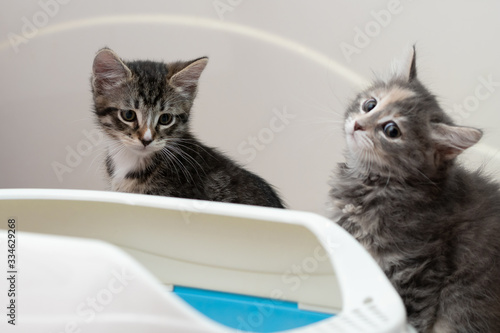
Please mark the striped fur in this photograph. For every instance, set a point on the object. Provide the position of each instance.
(150, 157)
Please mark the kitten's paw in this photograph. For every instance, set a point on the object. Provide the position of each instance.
(351, 209)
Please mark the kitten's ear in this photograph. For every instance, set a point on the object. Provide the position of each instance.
(406, 68)
(108, 71)
(450, 141)
(186, 80)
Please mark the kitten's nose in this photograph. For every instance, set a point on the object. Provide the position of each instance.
(146, 142)
(147, 137)
(358, 127)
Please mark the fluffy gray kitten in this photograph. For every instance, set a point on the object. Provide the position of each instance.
(143, 107)
(433, 227)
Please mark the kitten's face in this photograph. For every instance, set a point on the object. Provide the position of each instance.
(143, 105)
(397, 128)
(142, 127)
(384, 127)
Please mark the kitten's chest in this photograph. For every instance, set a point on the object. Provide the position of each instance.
(126, 163)
(354, 206)
(361, 222)
(370, 229)
(365, 212)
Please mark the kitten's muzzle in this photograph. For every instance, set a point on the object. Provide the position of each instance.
(358, 127)
(146, 142)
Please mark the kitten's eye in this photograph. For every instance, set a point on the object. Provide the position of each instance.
(369, 105)
(128, 115)
(391, 130)
(165, 119)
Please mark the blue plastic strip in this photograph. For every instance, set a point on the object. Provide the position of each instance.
(248, 313)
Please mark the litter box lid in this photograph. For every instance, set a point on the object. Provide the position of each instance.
(262, 252)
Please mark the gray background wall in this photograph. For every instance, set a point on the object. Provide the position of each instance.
(272, 96)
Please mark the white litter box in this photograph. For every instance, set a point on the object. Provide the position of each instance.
(89, 261)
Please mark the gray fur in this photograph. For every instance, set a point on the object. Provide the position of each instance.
(147, 157)
(433, 227)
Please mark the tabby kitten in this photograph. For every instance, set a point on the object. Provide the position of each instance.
(143, 107)
(432, 226)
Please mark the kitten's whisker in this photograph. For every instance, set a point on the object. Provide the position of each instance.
(188, 159)
(320, 121)
(369, 162)
(194, 142)
(113, 146)
(357, 164)
(323, 108)
(180, 148)
(322, 134)
(311, 100)
(168, 158)
(179, 162)
(168, 154)
(115, 151)
(367, 142)
(388, 179)
(427, 178)
(98, 155)
(185, 146)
